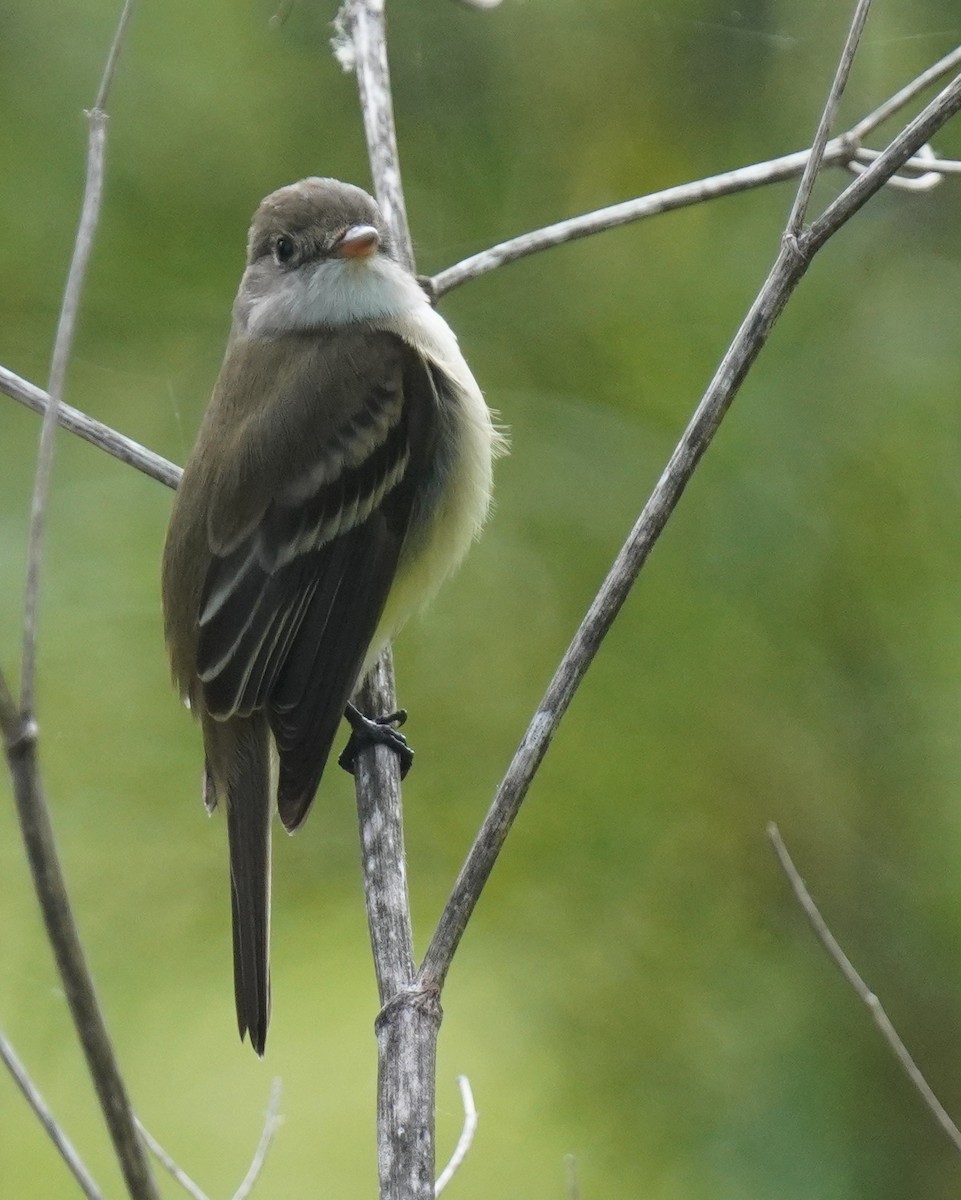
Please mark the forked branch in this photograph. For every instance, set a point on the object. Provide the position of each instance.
(797, 251)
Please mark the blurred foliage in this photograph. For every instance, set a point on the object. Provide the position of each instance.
(637, 988)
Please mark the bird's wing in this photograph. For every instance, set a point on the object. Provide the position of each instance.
(305, 540)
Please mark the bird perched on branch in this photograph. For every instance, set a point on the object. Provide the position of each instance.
(342, 468)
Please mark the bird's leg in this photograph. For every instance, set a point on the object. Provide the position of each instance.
(373, 731)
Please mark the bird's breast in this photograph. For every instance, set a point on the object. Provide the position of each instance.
(453, 498)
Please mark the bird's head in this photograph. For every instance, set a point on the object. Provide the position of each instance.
(316, 221)
(319, 254)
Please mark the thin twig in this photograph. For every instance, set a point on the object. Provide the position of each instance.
(812, 167)
(792, 262)
(839, 151)
(900, 99)
(272, 1122)
(861, 989)
(89, 218)
(110, 69)
(21, 751)
(46, 1118)
(909, 141)
(179, 1175)
(932, 168)
(466, 1136)
(627, 211)
(92, 430)
(573, 1186)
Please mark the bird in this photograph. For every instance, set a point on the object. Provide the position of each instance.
(342, 468)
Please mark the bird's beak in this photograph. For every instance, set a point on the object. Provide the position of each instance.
(359, 241)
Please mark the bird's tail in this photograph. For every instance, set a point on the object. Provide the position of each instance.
(248, 830)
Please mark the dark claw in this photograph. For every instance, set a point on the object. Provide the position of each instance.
(375, 731)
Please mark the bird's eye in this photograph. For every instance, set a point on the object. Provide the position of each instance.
(283, 248)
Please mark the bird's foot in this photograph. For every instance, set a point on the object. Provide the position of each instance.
(375, 731)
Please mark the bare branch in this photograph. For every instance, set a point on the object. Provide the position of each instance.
(907, 144)
(933, 169)
(861, 989)
(944, 66)
(110, 69)
(177, 1173)
(272, 1122)
(381, 819)
(409, 1020)
(466, 1136)
(410, 1017)
(813, 165)
(20, 745)
(791, 264)
(752, 335)
(92, 430)
(46, 1118)
(484, 4)
(840, 151)
(89, 218)
(360, 24)
(682, 196)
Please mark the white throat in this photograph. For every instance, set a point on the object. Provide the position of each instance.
(334, 292)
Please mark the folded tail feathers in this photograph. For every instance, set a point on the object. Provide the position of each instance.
(248, 804)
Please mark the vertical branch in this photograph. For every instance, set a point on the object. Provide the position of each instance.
(19, 725)
(362, 21)
(89, 218)
(409, 1021)
(380, 813)
(361, 43)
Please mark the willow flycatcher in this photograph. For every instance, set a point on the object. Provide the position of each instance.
(342, 468)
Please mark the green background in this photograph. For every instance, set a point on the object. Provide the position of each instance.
(637, 988)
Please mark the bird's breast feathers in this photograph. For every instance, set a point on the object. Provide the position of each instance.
(471, 442)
